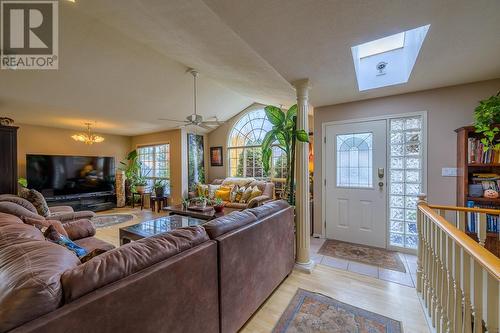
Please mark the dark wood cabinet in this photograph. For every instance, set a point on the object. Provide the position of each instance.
(8, 159)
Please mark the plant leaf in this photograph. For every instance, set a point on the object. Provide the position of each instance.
(268, 139)
(275, 115)
(292, 112)
(266, 158)
(302, 136)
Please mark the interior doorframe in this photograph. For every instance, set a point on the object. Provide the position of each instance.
(387, 118)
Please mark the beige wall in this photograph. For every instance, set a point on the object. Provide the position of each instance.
(174, 138)
(447, 109)
(218, 137)
(56, 141)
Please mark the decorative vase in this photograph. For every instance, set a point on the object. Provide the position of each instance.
(120, 188)
(218, 209)
(160, 192)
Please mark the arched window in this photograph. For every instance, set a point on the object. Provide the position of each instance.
(244, 151)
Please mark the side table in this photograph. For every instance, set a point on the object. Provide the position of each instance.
(158, 203)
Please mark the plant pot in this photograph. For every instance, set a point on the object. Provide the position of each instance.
(140, 188)
(160, 192)
(200, 204)
(218, 209)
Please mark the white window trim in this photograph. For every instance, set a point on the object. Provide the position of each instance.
(149, 144)
(387, 118)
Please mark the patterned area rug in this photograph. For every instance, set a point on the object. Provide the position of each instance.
(102, 221)
(311, 312)
(364, 254)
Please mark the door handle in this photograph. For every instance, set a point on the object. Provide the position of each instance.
(380, 173)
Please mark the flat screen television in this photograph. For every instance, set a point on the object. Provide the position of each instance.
(55, 175)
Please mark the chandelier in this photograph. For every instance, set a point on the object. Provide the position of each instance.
(87, 138)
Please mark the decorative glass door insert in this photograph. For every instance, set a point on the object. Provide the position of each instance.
(355, 160)
(405, 179)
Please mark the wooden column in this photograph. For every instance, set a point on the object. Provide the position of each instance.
(303, 223)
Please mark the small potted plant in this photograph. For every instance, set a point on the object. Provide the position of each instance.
(486, 116)
(140, 185)
(200, 202)
(185, 203)
(218, 205)
(159, 188)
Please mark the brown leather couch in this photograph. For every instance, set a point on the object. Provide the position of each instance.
(165, 283)
(197, 279)
(255, 254)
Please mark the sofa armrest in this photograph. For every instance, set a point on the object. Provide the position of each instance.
(61, 209)
(257, 201)
(79, 229)
(66, 217)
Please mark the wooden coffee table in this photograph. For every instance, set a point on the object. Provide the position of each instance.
(206, 215)
(156, 226)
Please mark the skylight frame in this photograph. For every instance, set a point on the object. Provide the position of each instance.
(382, 45)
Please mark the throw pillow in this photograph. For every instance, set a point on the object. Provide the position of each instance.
(52, 235)
(224, 193)
(202, 190)
(37, 199)
(246, 195)
(211, 191)
(234, 192)
(91, 255)
(255, 193)
(42, 224)
(239, 194)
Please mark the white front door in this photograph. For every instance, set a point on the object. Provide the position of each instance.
(355, 189)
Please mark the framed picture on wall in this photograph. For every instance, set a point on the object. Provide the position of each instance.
(216, 156)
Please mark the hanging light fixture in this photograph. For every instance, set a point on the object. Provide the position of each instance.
(87, 138)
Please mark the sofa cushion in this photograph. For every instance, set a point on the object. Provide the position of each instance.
(20, 201)
(246, 195)
(14, 231)
(37, 199)
(237, 181)
(31, 279)
(79, 229)
(128, 259)
(16, 210)
(42, 224)
(269, 208)
(60, 209)
(69, 216)
(227, 223)
(92, 243)
(236, 205)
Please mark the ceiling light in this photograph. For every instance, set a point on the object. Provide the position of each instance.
(87, 138)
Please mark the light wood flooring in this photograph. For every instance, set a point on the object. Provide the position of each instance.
(390, 299)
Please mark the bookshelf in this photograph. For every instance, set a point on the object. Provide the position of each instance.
(469, 167)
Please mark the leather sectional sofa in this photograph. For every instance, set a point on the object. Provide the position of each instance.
(197, 279)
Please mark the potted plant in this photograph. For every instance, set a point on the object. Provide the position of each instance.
(284, 134)
(132, 169)
(486, 115)
(159, 188)
(22, 182)
(185, 203)
(218, 205)
(200, 202)
(140, 184)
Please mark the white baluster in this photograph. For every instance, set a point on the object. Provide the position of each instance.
(466, 287)
(481, 229)
(491, 299)
(461, 218)
(457, 258)
(450, 299)
(477, 289)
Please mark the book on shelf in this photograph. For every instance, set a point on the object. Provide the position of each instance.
(473, 219)
(477, 154)
(489, 181)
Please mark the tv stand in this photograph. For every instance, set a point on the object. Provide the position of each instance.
(88, 201)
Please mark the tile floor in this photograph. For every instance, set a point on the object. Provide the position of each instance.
(406, 279)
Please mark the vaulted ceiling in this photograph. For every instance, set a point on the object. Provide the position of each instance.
(123, 63)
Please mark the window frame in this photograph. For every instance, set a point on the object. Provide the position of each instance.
(152, 179)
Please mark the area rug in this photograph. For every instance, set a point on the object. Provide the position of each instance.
(364, 254)
(312, 312)
(102, 221)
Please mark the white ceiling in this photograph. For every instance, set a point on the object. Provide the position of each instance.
(123, 62)
(312, 38)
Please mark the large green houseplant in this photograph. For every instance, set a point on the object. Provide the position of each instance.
(486, 115)
(284, 134)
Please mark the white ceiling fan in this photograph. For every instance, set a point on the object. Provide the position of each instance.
(195, 119)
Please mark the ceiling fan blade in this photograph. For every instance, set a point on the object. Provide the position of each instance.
(178, 121)
(213, 123)
(202, 125)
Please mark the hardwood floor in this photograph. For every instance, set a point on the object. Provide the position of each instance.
(386, 298)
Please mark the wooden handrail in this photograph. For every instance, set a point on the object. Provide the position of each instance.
(467, 209)
(489, 261)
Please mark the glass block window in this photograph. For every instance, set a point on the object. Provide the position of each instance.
(354, 160)
(155, 163)
(405, 180)
(244, 150)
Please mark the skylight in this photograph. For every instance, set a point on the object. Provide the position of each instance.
(381, 45)
(389, 60)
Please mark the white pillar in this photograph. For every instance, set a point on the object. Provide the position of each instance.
(303, 223)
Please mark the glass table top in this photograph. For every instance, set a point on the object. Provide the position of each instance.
(162, 225)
